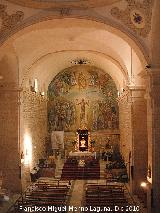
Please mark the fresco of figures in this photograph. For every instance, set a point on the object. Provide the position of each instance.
(82, 95)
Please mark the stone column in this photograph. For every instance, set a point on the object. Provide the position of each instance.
(125, 127)
(9, 120)
(133, 134)
(154, 139)
(155, 45)
(154, 110)
(139, 139)
(9, 138)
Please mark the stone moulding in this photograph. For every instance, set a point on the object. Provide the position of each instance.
(47, 4)
(137, 16)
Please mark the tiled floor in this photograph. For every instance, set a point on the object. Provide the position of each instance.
(77, 196)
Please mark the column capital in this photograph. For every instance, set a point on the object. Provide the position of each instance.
(133, 93)
(153, 86)
(9, 87)
(149, 72)
(154, 77)
(137, 91)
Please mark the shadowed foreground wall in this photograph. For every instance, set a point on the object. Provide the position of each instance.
(34, 130)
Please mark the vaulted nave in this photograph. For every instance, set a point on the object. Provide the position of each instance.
(79, 105)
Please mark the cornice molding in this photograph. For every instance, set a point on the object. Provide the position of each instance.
(137, 88)
(9, 87)
(51, 4)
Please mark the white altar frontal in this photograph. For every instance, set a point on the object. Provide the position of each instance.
(82, 154)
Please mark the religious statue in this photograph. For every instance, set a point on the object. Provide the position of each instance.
(83, 143)
(83, 104)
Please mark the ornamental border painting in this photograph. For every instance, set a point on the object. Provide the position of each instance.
(82, 96)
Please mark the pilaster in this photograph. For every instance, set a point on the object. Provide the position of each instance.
(133, 131)
(153, 105)
(139, 139)
(9, 137)
(153, 119)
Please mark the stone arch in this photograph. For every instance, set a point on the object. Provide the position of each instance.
(120, 67)
(87, 21)
(19, 36)
(112, 27)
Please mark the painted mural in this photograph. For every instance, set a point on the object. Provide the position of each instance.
(82, 96)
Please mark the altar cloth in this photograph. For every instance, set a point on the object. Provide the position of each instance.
(82, 154)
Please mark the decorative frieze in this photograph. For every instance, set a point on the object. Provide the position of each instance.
(136, 16)
(9, 21)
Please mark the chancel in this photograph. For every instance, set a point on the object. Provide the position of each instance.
(80, 104)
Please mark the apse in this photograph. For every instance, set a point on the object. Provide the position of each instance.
(82, 96)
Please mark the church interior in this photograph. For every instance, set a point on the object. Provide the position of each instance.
(79, 106)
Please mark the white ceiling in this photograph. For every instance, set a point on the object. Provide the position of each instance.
(44, 49)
